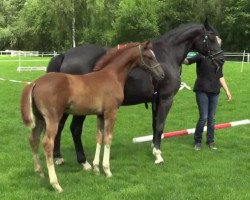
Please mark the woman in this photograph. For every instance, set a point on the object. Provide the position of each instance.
(207, 88)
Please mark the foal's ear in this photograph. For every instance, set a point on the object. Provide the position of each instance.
(148, 45)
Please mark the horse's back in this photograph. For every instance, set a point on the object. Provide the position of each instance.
(82, 59)
(55, 63)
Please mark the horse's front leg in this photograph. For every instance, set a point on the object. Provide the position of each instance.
(99, 141)
(76, 130)
(163, 107)
(109, 120)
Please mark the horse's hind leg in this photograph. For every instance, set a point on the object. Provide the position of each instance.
(34, 141)
(48, 144)
(99, 140)
(57, 147)
(76, 130)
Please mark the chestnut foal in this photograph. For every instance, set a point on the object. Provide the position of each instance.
(100, 93)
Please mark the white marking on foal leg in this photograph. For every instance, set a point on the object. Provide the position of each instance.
(158, 157)
(105, 163)
(53, 178)
(97, 159)
(86, 166)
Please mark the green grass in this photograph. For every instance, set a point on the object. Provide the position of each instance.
(186, 174)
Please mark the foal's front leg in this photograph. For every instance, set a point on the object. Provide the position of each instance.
(99, 141)
(109, 120)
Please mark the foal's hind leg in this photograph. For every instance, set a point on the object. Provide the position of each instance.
(48, 143)
(34, 141)
(99, 140)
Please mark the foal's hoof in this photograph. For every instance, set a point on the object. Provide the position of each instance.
(109, 175)
(86, 166)
(57, 187)
(96, 170)
(107, 172)
(59, 161)
(41, 174)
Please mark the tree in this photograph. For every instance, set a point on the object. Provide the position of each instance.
(8, 14)
(236, 26)
(136, 20)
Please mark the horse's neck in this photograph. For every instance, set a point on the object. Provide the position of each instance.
(179, 44)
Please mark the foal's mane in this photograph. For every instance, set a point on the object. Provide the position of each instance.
(111, 53)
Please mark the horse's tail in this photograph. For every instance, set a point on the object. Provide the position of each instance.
(55, 63)
(26, 106)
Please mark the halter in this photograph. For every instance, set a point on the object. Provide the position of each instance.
(211, 56)
(143, 62)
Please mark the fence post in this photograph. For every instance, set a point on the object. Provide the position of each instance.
(242, 63)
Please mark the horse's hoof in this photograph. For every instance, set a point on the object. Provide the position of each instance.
(158, 157)
(59, 161)
(159, 162)
(86, 166)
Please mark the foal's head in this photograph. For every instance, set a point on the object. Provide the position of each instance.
(148, 61)
(141, 53)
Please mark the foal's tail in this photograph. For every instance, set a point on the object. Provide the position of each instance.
(26, 106)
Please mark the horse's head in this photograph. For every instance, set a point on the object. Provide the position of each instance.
(149, 61)
(208, 43)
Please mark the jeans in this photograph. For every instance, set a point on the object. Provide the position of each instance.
(207, 104)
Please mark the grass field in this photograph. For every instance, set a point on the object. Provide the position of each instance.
(186, 174)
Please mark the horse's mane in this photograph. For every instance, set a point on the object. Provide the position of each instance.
(111, 53)
(185, 27)
(180, 29)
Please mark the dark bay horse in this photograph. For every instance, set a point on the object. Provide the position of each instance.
(170, 50)
(100, 93)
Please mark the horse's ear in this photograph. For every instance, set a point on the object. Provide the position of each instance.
(206, 24)
(148, 45)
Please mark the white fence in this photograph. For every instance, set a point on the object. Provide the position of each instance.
(240, 57)
(13, 53)
(237, 57)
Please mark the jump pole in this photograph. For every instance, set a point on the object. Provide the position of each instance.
(190, 131)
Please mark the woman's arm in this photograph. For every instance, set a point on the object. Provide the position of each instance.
(224, 85)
